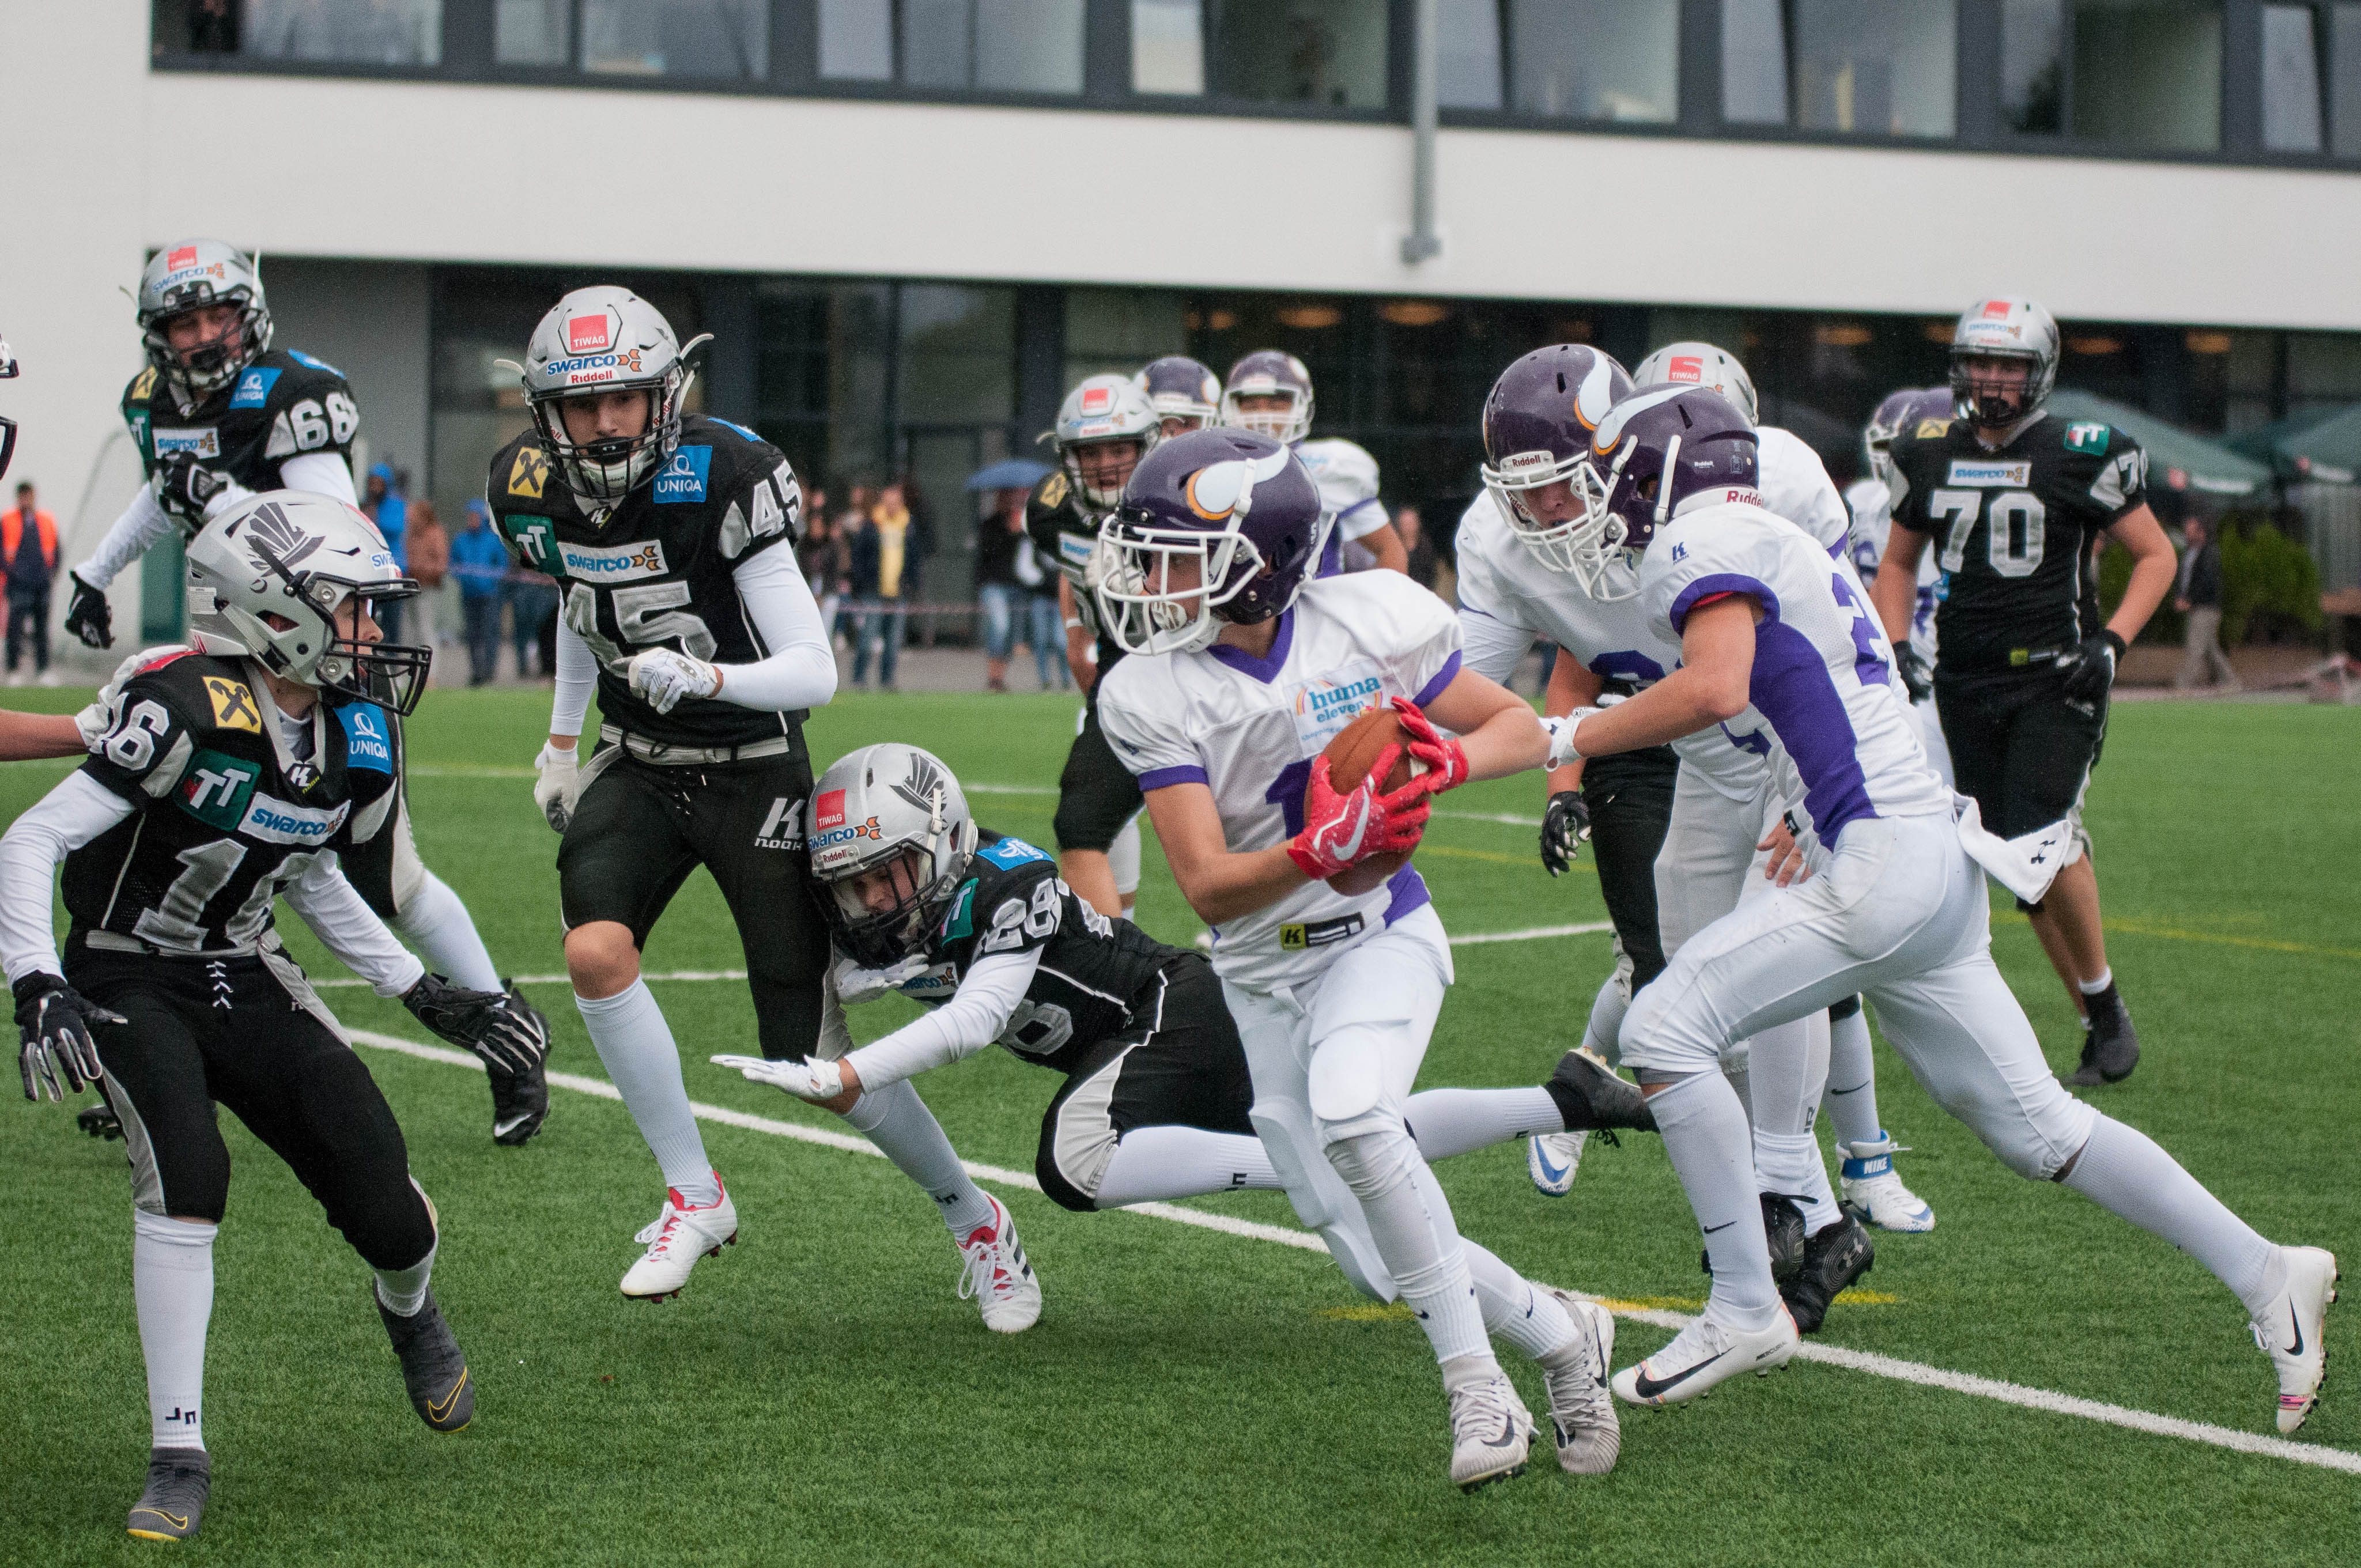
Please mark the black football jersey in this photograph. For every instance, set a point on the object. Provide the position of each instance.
(654, 570)
(226, 814)
(1065, 533)
(2015, 530)
(1093, 970)
(284, 404)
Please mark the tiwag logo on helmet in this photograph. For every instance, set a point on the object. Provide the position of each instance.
(587, 335)
(180, 256)
(827, 811)
(1997, 309)
(1686, 368)
(1097, 399)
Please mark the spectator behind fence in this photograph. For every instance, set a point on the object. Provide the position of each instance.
(1043, 625)
(1000, 541)
(849, 522)
(386, 507)
(429, 547)
(2197, 596)
(532, 599)
(28, 545)
(481, 561)
(822, 555)
(880, 558)
(1419, 560)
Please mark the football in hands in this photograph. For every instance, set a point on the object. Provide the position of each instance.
(1350, 756)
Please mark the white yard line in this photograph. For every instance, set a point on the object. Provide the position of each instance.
(1826, 1354)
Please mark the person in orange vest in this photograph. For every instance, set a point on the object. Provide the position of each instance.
(28, 548)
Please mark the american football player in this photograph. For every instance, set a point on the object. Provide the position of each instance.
(1269, 391)
(1185, 394)
(1777, 646)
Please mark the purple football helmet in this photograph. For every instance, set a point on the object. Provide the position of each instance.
(1538, 423)
(1900, 411)
(1182, 389)
(1216, 525)
(1269, 373)
(1663, 451)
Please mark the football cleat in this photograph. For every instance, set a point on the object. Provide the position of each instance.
(433, 1369)
(1871, 1188)
(519, 1101)
(173, 1503)
(99, 1120)
(2290, 1331)
(997, 1274)
(1783, 1229)
(1550, 1158)
(1833, 1258)
(2110, 1044)
(1491, 1432)
(1582, 1411)
(676, 1240)
(1702, 1354)
(1589, 1096)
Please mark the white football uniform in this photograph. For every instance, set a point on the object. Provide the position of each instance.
(1871, 505)
(1795, 485)
(1347, 479)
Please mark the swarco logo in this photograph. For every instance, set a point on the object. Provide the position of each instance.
(1978, 473)
(612, 563)
(848, 835)
(606, 366)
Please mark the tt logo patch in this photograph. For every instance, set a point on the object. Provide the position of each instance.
(529, 475)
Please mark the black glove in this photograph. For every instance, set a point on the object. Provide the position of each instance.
(2090, 669)
(1916, 678)
(1565, 826)
(510, 1037)
(89, 616)
(183, 486)
(55, 1021)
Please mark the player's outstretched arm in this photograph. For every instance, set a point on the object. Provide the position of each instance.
(799, 671)
(24, 736)
(1711, 686)
(57, 1055)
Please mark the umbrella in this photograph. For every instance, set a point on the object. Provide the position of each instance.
(1015, 473)
(2177, 459)
(2322, 447)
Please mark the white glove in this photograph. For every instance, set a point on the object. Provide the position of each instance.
(96, 722)
(664, 677)
(855, 985)
(808, 1080)
(1561, 734)
(557, 784)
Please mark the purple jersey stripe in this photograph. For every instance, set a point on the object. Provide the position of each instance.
(1793, 690)
(1722, 583)
(1264, 670)
(1160, 778)
(1409, 891)
(1442, 678)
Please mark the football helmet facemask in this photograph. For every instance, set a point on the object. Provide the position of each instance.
(599, 340)
(191, 276)
(891, 819)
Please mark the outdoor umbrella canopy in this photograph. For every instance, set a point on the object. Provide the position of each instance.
(1013, 473)
(2177, 460)
(2322, 447)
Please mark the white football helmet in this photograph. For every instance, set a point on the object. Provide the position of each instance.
(189, 276)
(2004, 327)
(896, 809)
(1102, 409)
(606, 339)
(1701, 364)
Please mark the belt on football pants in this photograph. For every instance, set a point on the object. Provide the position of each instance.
(662, 755)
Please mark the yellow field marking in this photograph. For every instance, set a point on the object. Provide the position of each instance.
(2265, 943)
(1371, 1314)
(1694, 1304)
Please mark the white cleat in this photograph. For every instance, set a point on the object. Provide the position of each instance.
(2289, 1330)
(1704, 1354)
(1871, 1186)
(1551, 1157)
(1491, 1432)
(998, 1276)
(679, 1237)
(1582, 1413)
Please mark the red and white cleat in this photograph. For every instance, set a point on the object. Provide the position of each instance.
(680, 1235)
(998, 1275)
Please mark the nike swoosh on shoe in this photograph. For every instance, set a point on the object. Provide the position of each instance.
(1648, 1387)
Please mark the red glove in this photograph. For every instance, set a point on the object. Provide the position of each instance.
(1340, 830)
(1445, 759)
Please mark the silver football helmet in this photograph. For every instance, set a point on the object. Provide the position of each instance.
(2005, 327)
(189, 276)
(1103, 408)
(268, 578)
(1271, 373)
(606, 339)
(1701, 364)
(890, 837)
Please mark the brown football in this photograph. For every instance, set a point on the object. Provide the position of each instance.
(1350, 756)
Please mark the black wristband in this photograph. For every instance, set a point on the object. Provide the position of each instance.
(2115, 642)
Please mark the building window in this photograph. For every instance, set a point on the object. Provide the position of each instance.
(2033, 66)
(1268, 51)
(357, 32)
(1753, 63)
(2133, 74)
(1168, 47)
(1467, 54)
(1851, 66)
(2290, 80)
(1583, 60)
(1000, 45)
(678, 38)
(2344, 80)
(534, 32)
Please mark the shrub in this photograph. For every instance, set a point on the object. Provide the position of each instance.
(2270, 585)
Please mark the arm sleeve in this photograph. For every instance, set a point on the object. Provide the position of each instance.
(333, 907)
(800, 669)
(578, 672)
(971, 1020)
(1427, 644)
(78, 810)
(321, 473)
(143, 522)
(1361, 519)
(1154, 748)
(1493, 648)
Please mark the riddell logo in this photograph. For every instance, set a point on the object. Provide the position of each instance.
(181, 256)
(827, 811)
(1688, 369)
(587, 335)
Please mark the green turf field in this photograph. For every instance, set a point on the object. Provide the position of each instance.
(819, 1395)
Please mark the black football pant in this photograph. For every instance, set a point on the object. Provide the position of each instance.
(1096, 794)
(233, 1032)
(639, 830)
(2021, 748)
(1630, 801)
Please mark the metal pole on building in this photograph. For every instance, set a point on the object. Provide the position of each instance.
(1421, 243)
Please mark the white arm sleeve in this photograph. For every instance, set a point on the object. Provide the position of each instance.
(578, 672)
(971, 1020)
(1493, 648)
(143, 522)
(69, 817)
(800, 669)
(333, 907)
(321, 473)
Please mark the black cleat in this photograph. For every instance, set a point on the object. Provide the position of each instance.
(179, 1482)
(99, 1120)
(1833, 1258)
(1592, 1098)
(519, 1101)
(1782, 1228)
(2110, 1044)
(434, 1368)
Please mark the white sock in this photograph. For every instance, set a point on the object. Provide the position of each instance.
(403, 1290)
(2092, 987)
(1447, 1122)
(1156, 1164)
(172, 1284)
(1706, 1139)
(905, 1132)
(1514, 1309)
(437, 924)
(1741, 1084)
(635, 1043)
(1790, 1163)
(1787, 1067)
(1850, 1099)
(1604, 1033)
(2122, 1169)
(1415, 1235)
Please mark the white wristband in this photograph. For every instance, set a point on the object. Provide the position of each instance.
(1562, 752)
